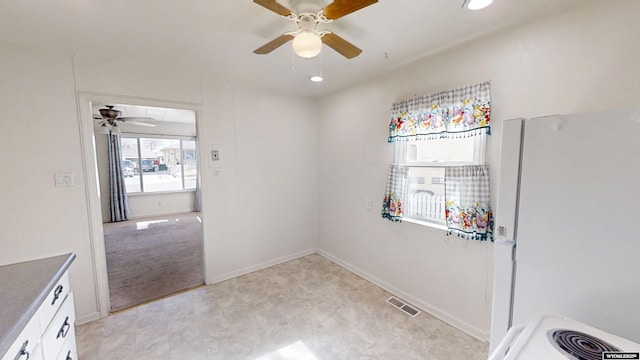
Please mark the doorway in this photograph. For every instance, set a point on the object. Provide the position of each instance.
(158, 249)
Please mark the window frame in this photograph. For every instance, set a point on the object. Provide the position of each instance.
(180, 138)
(401, 153)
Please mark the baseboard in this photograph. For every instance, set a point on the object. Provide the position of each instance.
(170, 213)
(264, 265)
(85, 318)
(422, 305)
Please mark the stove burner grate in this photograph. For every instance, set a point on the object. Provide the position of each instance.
(578, 345)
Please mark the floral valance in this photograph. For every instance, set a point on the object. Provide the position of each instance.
(449, 114)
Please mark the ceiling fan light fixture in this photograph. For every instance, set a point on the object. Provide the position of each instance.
(478, 4)
(307, 44)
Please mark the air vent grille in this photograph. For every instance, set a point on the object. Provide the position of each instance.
(404, 307)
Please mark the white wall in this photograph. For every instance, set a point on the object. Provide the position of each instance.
(260, 210)
(263, 202)
(276, 154)
(577, 61)
(40, 127)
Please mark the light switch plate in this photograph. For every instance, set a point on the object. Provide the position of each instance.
(64, 179)
(213, 156)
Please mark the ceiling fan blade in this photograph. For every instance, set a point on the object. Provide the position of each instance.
(340, 8)
(273, 6)
(341, 45)
(273, 44)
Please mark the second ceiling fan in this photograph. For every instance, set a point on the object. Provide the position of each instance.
(308, 40)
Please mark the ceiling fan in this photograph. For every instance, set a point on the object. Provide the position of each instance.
(109, 118)
(308, 40)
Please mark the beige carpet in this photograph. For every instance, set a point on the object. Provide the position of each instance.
(150, 258)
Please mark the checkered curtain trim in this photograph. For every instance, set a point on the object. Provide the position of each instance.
(467, 202)
(393, 202)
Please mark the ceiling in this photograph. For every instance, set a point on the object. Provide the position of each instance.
(218, 37)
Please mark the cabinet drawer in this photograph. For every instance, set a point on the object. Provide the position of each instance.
(53, 301)
(61, 328)
(37, 353)
(69, 351)
(26, 343)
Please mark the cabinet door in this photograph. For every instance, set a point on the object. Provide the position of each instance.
(61, 328)
(27, 342)
(53, 301)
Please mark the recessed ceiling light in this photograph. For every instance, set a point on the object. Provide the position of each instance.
(316, 78)
(478, 4)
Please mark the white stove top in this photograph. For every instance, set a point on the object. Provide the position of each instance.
(536, 340)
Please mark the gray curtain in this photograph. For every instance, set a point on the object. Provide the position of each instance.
(196, 195)
(118, 205)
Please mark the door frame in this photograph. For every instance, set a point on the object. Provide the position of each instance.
(94, 206)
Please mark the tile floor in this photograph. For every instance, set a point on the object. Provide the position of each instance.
(306, 309)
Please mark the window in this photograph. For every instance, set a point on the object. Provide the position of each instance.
(159, 164)
(426, 161)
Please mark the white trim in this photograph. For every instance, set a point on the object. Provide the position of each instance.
(171, 213)
(94, 207)
(417, 221)
(168, 192)
(477, 333)
(86, 318)
(249, 269)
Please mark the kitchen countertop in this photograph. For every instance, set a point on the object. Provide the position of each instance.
(23, 287)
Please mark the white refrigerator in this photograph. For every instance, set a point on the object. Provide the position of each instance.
(568, 222)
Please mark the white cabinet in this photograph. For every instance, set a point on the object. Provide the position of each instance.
(50, 333)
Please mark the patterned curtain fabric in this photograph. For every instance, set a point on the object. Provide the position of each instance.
(393, 202)
(449, 114)
(118, 204)
(467, 202)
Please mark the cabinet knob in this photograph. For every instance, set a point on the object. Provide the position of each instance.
(69, 356)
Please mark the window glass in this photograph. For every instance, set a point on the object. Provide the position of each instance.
(427, 160)
(159, 160)
(189, 164)
(158, 164)
(130, 164)
(425, 194)
(442, 150)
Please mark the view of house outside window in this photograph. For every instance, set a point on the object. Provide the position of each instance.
(427, 160)
(158, 164)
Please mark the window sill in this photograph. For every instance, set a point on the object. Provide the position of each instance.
(160, 192)
(425, 223)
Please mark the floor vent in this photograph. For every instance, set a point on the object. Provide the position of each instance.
(404, 307)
